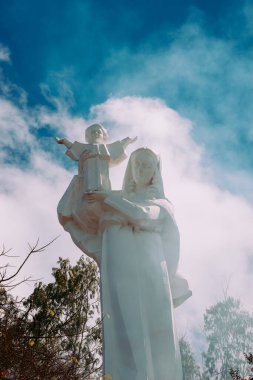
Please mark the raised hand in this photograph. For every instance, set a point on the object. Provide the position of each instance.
(133, 140)
(128, 141)
(63, 141)
(59, 140)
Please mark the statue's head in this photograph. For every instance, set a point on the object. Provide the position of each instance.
(143, 172)
(143, 166)
(96, 134)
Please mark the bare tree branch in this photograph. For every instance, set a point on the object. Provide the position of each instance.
(7, 280)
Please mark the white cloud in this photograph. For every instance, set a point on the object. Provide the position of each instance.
(4, 53)
(14, 124)
(28, 211)
(215, 225)
(29, 193)
(72, 127)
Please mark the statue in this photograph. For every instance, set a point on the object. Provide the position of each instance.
(138, 255)
(94, 159)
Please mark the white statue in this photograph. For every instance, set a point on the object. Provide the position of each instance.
(137, 249)
(94, 159)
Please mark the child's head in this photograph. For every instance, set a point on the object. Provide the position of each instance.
(95, 134)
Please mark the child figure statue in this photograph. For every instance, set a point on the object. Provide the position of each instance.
(95, 157)
(94, 160)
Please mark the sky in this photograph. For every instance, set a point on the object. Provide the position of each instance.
(179, 75)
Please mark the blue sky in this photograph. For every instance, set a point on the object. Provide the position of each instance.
(179, 75)
(195, 55)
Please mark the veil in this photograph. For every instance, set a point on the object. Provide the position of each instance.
(155, 188)
(170, 235)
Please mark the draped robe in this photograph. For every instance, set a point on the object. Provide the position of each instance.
(139, 284)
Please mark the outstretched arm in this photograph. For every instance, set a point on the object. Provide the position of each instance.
(64, 141)
(125, 142)
(134, 212)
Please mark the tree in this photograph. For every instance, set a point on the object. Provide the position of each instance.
(191, 370)
(228, 330)
(8, 280)
(235, 372)
(19, 357)
(56, 332)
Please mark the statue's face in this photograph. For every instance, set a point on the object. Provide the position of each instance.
(96, 135)
(143, 168)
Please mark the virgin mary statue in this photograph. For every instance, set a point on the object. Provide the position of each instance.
(140, 286)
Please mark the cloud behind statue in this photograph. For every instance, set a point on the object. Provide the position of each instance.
(215, 225)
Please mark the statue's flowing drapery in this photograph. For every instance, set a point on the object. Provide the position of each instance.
(140, 340)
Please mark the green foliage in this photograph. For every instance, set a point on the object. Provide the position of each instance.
(191, 370)
(235, 372)
(229, 331)
(56, 332)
